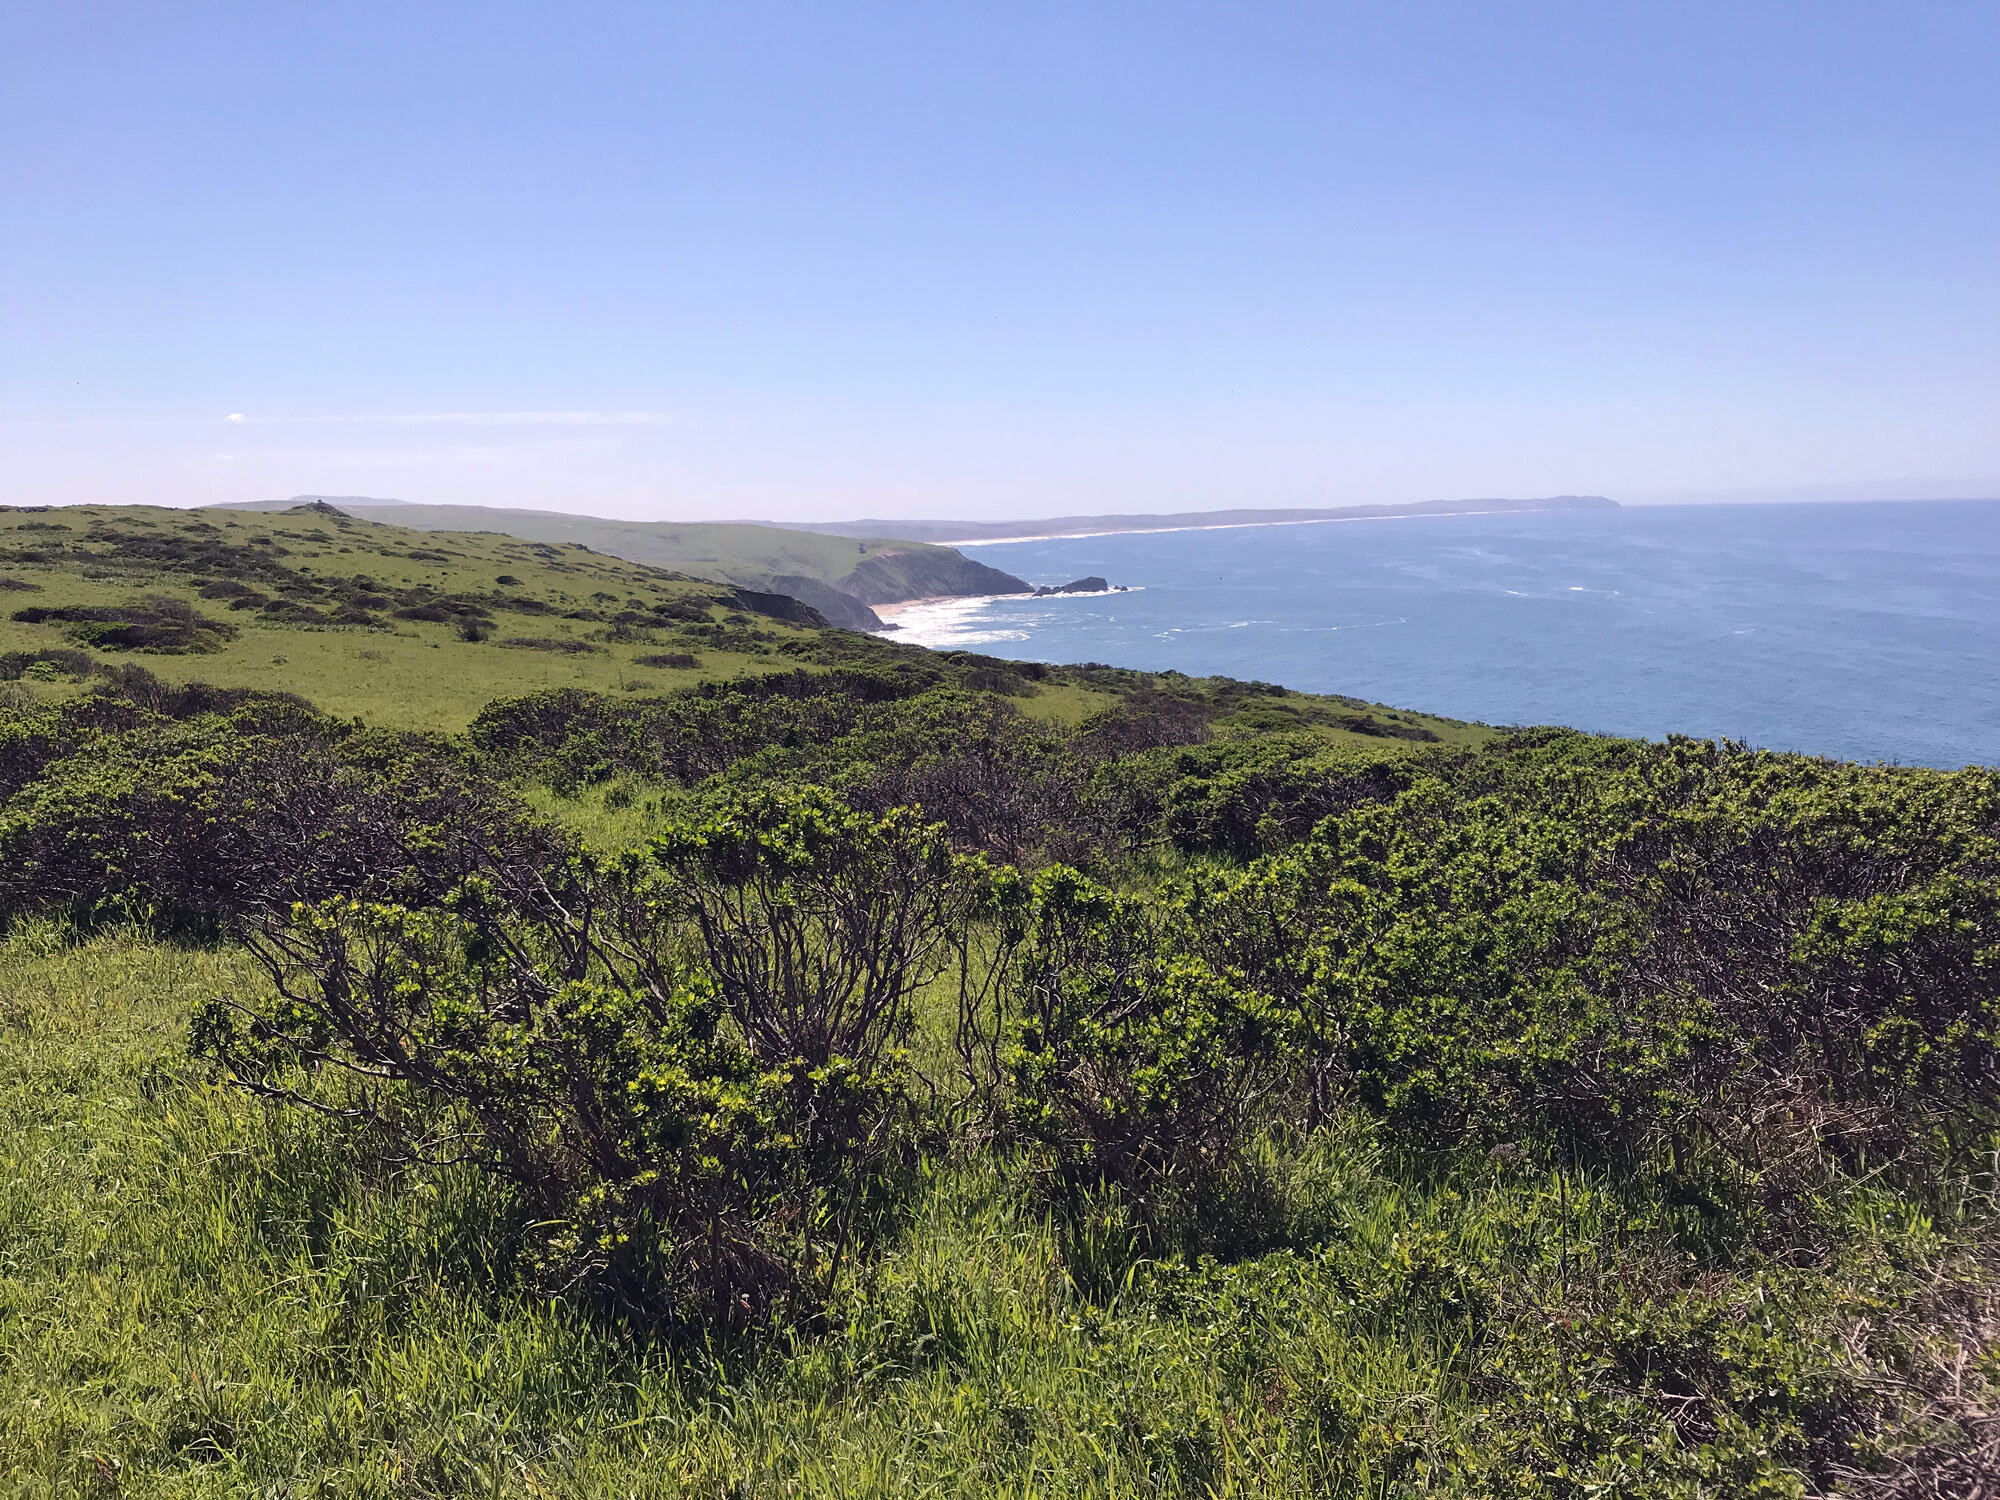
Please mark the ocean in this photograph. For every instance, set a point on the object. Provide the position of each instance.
(1865, 631)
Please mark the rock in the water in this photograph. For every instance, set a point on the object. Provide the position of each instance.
(1092, 585)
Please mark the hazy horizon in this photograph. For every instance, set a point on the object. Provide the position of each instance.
(582, 508)
(778, 263)
(1888, 492)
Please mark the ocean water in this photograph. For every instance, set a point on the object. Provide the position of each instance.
(1866, 631)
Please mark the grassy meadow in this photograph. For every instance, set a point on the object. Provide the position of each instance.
(408, 672)
(202, 1296)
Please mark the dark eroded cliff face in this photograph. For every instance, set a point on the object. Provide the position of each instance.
(892, 577)
(786, 607)
(838, 606)
(925, 573)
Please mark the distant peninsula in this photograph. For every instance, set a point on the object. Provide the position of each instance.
(952, 533)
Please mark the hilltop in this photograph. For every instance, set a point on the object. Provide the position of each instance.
(840, 579)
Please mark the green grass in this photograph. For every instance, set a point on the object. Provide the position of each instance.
(612, 815)
(418, 677)
(201, 1298)
(1065, 703)
(413, 674)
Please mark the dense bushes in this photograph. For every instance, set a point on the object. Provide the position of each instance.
(1601, 947)
(1612, 945)
(884, 736)
(1636, 1043)
(572, 738)
(688, 1063)
(1132, 1061)
(158, 623)
(217, 808)
(1241, 797)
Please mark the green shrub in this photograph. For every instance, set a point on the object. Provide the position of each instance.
(1610, 945)
(159, 623)
(1133, 1062)
(237, 808)
(558, 643)
(688, 1064)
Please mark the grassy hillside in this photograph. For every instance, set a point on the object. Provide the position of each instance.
(838, 576)
(832, 1068)
(385, 659)
(371, 621)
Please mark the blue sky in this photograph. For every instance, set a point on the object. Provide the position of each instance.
(685, 261)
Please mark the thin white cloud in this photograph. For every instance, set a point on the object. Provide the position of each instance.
(470, 419)
(364, 419)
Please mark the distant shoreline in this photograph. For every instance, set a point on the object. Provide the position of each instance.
(1071, 536)
(961, 532)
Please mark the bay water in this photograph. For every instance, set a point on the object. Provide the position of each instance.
(1865, 631)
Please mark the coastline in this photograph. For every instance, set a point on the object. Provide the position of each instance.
(943, 622)
(1071, 536)
(952, 620)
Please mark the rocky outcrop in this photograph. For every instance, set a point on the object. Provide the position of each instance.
(890, 577)
(1090, 585)
(779, 607)
(840, 607)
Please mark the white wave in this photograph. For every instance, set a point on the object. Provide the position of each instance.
(951, 622)
(1135, 588)
(1357, 625)
(964, 621)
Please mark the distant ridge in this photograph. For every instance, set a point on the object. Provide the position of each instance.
(953, 532)
(297, 500)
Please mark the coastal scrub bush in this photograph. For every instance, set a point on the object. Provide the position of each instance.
(688, 1063)
(1615, 946)
(818, 923)
(558, 643)
(1003, 784)
(650, 1155)
(1133, 1063)
(1244, 797)
(159, 623)
(211, 821)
